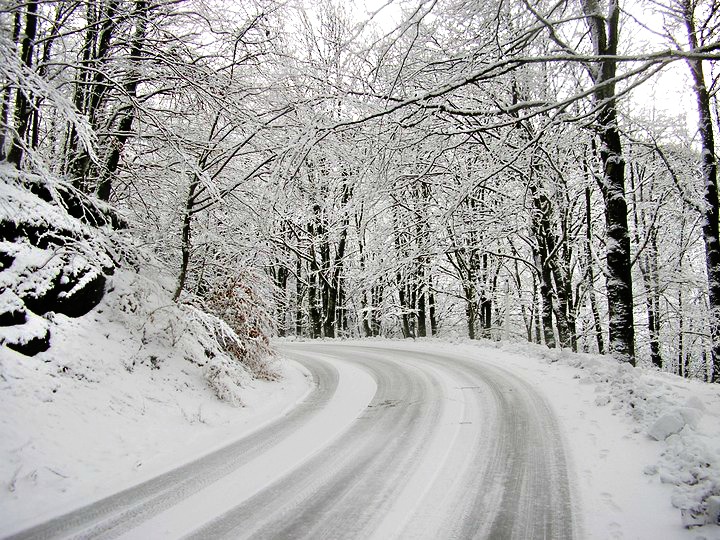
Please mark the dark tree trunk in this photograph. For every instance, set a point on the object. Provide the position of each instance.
(546, 309)
(366, 307)
(711, 229)
(590, 275)
(432, 313)
(366, 300)
(563, 305)
(421, 312)
(373, 316)
(298, 298)
(340, 310)
(23, 100)
(327, 291)
(314, 302)
(377, 300)
(186, 239)
(371, 297)
(486, 303)
(538, 313)
(126, 122)
(281, 278)
(604, 33)
(650, 275)
(470, 309)
(404, 319)
(541, 230)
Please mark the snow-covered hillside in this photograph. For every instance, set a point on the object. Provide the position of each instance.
(104, 379)
(123, 393)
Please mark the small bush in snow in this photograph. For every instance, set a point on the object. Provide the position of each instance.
(239, 305)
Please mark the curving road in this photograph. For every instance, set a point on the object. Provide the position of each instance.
(393, 442)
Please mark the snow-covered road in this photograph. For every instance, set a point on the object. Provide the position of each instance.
(391, 442)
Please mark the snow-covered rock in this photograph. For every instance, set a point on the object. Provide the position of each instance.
(668, 424)
(51, 261)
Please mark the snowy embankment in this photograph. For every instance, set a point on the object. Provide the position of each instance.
(105, 408)
(644, 445)
(105, 381)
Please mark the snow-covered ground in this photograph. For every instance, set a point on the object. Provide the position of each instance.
(94, 415)
(626, 483)
(105, 408)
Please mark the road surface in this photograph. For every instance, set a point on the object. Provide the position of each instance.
(392, 442)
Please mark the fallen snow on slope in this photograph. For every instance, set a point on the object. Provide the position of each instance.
(123, 394)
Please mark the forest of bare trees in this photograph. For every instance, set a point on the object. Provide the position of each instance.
(483, 169)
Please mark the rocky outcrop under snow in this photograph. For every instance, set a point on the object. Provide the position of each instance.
(54, 257)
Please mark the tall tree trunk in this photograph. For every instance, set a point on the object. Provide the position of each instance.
(412, 293)
(366, 304)
(711, 229)
(314, 301)
(327, 290)
(404, 319)
(281, 278)
(546, 309)
(541, 229)
(432, 312)
(562, 302)
(653, 301)
(534, 334)
(298, 298)
(23, 100)
(470, 309)
(590, 275)
(186, 238)
(125, 125)
(604, 33)
(421, 309)
(376, 298)
(486, 301)
(7, 94)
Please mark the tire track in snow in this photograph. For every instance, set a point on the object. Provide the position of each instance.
(501, 475)
(448, 447)
(343, 491)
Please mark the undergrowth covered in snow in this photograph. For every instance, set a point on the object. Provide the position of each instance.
(61, 251)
